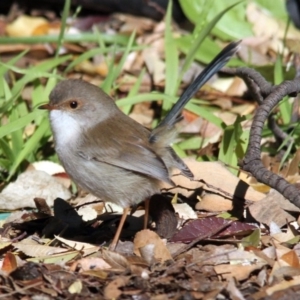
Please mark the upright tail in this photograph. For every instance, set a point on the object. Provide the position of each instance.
(213, 67)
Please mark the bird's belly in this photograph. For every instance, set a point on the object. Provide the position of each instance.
(110, 183)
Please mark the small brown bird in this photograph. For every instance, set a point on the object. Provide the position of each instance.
(109, 154)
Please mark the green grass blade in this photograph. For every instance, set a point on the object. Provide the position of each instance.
(17, 135)
(64, 17)
(39, 71)
(198, 110)
(200, 36)
(30, 146)
(114, 71)
(70, 38)
(19, 123)
(4, 69)
(6, 150)
(230, 145)
(171, 57)
(285, 107)
(134, 91)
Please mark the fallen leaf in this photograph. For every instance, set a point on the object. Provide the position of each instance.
(239, 272)
(156, 249)
(185, 211)
(90, 263)
(216, 179)
(75, 287)
(273, 209)
(283, 285)
(87, 213)
(112, 290)
(116, 260)
(86, 248)
(24, 26)
(9, 263)
(30, 185)
(202, 227)
(291, 258)
(37, 250)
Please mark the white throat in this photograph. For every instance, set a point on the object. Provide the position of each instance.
(65, 128)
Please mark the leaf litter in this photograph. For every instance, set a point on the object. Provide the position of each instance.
(225, 238)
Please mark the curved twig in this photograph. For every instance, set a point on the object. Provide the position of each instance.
(260, 89)
(252, 161)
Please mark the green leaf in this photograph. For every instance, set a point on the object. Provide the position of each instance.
(252, 240)
(233, 25)
(193, 143)
(230, 145)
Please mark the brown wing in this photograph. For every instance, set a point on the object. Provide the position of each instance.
(124, 148)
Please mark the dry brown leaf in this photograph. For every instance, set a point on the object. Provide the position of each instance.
(30, 185)
(239, 272)
(75, 287)
(214, 203)
(53, 169)
(293, 168)
(87, 213)
(270, 252)
(24, 26)
(134, 24)
(291, 258)
(217, 180)
(90, 263)
(112, 290)
(38, 250)
(210, 132)
(185, 211)
(222, 85)
(127, 81)
(9, 263)
(142, 119)
(283, 285)
(155, 65)
(282, 237)
(85, 66)
(115, 259)
(280, 272)
(149, 245)
(234, 292)
(272, 209)
(272, 28)
(269, 27)
(4, 242)
(39, 51)
(223, 103)
(237, 87)
(84, 247)
(243, 109)
(254, 53)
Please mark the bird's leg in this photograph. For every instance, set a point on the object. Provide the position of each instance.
(115, 240)
(146, 217)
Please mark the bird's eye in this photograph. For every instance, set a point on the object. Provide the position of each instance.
(73, 104)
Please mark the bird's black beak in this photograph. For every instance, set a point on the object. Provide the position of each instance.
(46, 106)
